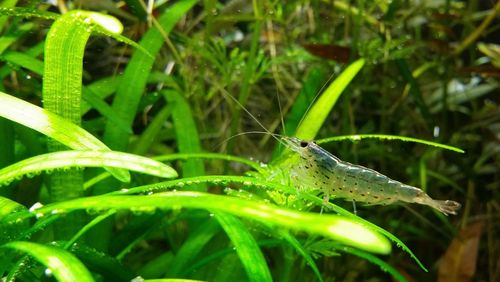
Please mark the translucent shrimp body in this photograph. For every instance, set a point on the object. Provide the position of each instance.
(336, 178)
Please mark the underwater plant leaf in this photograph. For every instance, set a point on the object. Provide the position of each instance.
(357, 137)
(186, 133)
(461, 257)
(246, 247)
(52, 126)
(10, 232)
(27, 13)
(375, 260)
(11, 36)
(136, 73)
(192, 246)
(318, 113)
(63, 265)
(80, 159)
(104, 87)
(338, 228)
(302, 251)
(250, 181)
(62, 90)
(218, 156)
(24, 60)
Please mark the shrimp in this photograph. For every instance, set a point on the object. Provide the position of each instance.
(334, 177)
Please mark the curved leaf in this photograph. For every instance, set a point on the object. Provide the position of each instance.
(53, 126)
(335, 227)
(62, 264)
(314, 119)
(249, 252)
(357, 137)
(78, 159)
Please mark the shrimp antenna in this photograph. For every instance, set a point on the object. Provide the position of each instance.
(281, 113)
(246, 133)
(316, 97)
(251, 115)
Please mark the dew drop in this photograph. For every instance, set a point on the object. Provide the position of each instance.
(56, 211)
(137, 279)
(35, 206)
(48, 272)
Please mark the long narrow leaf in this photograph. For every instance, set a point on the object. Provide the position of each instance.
(249, 252)
(358, 137)
(314, 119)
(62, 264)
(338, 228)
(79, 159)
(53, 126)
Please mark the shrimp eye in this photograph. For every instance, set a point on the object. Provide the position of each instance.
(304, 144)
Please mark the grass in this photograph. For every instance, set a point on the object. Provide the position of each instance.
(124, 151)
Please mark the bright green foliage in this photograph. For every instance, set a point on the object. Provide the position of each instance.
(176, 92)
(62, 264)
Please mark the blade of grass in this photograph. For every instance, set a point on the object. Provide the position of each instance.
(297, 246)
(335, 227)
(53, 126)
(358, 137)
(247, 248)
(186, 133)
(79, 159)
(62, 264)
(62, 91)
(135, 75)
(318, 113)
(191, 248)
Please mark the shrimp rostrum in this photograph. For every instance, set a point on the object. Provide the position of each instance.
(339, 179)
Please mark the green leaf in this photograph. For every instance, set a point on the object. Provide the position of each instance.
(358, 137)
(335, 227)
(79, 159)
(192, 246)
(53, 126)
(249, 252)
(62, 264)
(186, 133)
(318, 113)
(135, 75)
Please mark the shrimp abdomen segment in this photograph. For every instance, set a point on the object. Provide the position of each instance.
(362, 184)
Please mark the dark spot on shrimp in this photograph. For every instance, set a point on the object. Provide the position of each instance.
(327, 177)
(304, 144)
(375, 197)
(350, 191)
(362, 195)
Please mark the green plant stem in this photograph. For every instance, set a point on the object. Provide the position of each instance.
(478, 31)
